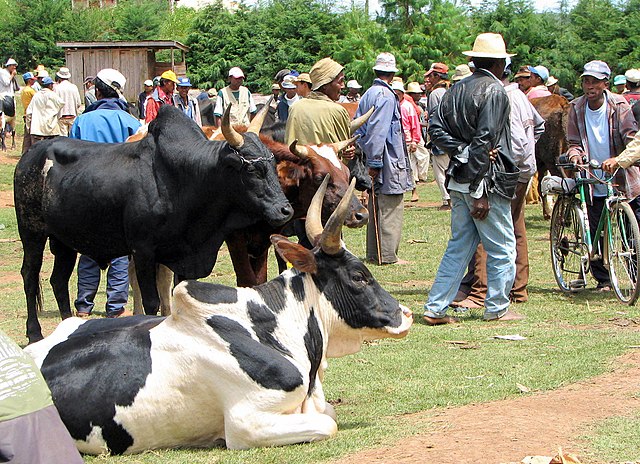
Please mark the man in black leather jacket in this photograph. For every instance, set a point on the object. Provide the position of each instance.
(472, 126)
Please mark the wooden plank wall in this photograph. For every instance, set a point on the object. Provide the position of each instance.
(137, 65)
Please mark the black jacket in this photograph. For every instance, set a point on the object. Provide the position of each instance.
(474, 115)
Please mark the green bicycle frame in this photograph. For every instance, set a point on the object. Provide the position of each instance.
(605, 219)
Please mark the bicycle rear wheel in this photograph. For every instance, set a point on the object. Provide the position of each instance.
(569, 253)
(624, 245)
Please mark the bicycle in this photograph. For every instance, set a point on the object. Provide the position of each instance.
(616, 240)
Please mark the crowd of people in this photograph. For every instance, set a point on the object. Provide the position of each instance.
(475, 126)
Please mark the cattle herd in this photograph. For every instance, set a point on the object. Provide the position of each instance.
(238, 367)
(235, 367)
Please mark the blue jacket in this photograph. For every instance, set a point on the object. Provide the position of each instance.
(382, 140)
(105, 121)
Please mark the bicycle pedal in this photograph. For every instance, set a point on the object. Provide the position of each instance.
(577, 284)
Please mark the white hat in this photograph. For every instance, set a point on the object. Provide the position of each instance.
(386, 62)
(489, 45)
(353, 84)
(633, 75)
(397, 85)
(42, 73)
(64, 73)
(10, 62)
(148, 83)
(288, 82)
(113, 79)
(236, 72)
(552, 80)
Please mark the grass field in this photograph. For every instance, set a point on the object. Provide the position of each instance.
(568, 338)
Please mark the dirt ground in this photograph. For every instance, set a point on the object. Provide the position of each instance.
(507, 431)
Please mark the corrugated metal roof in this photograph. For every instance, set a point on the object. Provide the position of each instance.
(153, 44)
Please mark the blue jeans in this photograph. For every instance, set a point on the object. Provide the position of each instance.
(89, 281)
(496, 234)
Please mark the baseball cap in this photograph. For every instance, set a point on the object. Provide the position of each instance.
(148, 83)
(596, 68)
(184, 82)
(385, 62)
(440, 68)
(288, 82)
(170, 76)
(236, 72)
(619, 79)
(10, 62)
(540, 71)
(28, 75)
(47, 80)
(353, 84)
(113, 78)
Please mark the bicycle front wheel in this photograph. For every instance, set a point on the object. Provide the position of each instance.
(624, 245)
(569, 253)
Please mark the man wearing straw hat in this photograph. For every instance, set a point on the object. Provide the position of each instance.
(382, 142)
(472, 122)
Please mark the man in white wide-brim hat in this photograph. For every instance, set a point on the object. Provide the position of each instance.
(472, 121)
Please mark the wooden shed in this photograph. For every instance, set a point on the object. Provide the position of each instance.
(137, 61)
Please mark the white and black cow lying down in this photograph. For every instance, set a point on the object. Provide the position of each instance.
(240, 367)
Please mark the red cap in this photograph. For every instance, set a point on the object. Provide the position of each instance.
(439, 68)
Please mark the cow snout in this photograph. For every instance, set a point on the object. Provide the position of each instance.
(405, 324)
(359, 215)
(281, 215)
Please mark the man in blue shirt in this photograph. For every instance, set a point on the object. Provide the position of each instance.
(106, 121)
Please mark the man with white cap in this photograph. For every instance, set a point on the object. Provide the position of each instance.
(303, 85)
(239, 97)
(8, 87)
(353, 92)
(382, 142)
(142, 98)
(538, 78)
(70, 95)
(318, 118)
(472, 123)
(632, 77)
(105, 121)
(289, 98)
(600, 126)
(161, 95)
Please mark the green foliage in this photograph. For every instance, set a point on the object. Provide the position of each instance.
(139, 19)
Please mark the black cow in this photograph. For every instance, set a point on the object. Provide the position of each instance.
(170, 198)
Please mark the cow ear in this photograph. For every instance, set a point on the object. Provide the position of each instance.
(301, 258)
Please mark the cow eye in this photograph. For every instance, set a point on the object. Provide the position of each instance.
(359, 278)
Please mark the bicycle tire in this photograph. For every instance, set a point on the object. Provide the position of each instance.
(569, 253)
(623, 253)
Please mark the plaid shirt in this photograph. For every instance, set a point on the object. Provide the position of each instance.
(622, 129)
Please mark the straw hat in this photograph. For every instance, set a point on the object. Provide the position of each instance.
(489, 45)
(552, 80)
(413, 87)
(462, 71)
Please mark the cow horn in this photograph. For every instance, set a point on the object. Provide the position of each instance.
(232, 137)
(357, 122)
(330, 241)
(258, 119)
(339, 146)
(300, 151)
(313, 224)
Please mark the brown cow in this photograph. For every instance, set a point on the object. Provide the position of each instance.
(554, 109)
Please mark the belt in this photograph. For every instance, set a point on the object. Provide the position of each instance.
(67, 116)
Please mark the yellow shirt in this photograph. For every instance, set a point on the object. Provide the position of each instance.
(317, 119)
(26, 94)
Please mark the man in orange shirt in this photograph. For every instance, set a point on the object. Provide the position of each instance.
(162, 95)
